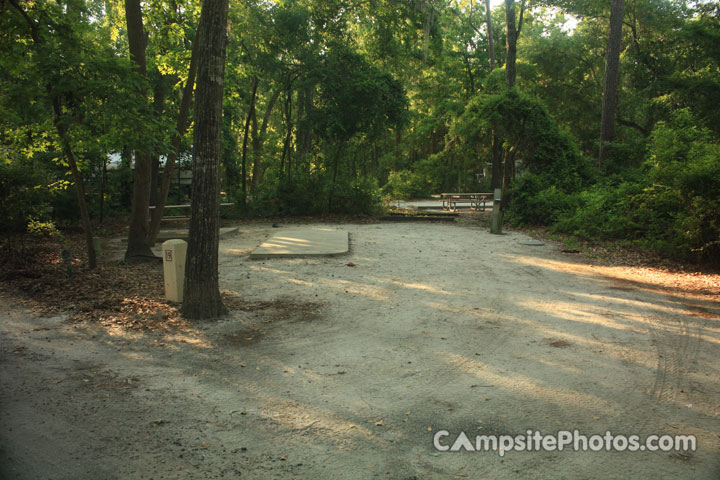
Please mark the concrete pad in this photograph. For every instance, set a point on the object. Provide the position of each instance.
(183, 233)
(303, 242)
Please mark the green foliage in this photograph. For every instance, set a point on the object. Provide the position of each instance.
(367, 101)
(355, 94)
(310, 194)
(22, 197)
(602, 212)
(405, 184)
(530, 136)
(535, 202)
(359, 196)
(682, 200)
(671, 205)
(40, 228)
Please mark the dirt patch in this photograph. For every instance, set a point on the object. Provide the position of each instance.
(325, 371)
(558, 343)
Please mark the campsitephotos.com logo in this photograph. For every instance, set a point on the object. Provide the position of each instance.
(533, 441)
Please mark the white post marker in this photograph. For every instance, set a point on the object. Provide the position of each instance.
(174, 252)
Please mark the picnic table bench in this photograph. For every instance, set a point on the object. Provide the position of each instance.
(475, 201)
(186, 206)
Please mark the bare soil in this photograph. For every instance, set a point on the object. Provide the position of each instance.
(346, 367)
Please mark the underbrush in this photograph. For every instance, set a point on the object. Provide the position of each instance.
(671, 205)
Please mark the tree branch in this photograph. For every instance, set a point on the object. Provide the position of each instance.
(30, 22)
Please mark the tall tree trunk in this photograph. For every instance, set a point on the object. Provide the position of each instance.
(508, 174)
(471, 77)
(338, 154)
(496, 178)
(497, 167)
(230, 147)
(182, 125)
(612, 77)
(251, 112)
(201, 294)
(64, 140)
(259, 140)
(158, 108)
(491, 40)
(138, 248)
(512, 34)
(77, 178)
(103, 183)
(288, 135)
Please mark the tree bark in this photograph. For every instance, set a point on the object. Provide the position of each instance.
(158, 108)
(497, 168)
(77, 178)
(201, 294)
(246, 133)
(138, 248)
(612, 77)
(491, 40)
(182, 125)
(512, 34)
(288, 134)
(258, 141)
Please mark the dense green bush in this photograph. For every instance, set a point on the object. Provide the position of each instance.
(537, 203)
(681, 204)
(314, 194)
(603, 211)
(405, 184)
(671, 205)
(23, 196)
(360, 196)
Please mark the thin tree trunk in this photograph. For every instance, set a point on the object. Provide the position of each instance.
(77, 178)
(138, 248)
(512, 34)
(612, 77)
(158, 107)
(258, 141)
(103, 183)
(471, 78)
(65, 143)
(508, 173)
(201, 294)
(288, 135)
(496, 180)
(331, 198)
(250, 114)
(491, 40)
(182, 125)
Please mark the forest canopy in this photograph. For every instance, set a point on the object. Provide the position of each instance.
(332, 105)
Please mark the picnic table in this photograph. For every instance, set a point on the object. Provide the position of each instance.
(182, 207)
(475, 201)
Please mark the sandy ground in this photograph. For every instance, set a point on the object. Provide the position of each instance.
(347, 372)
